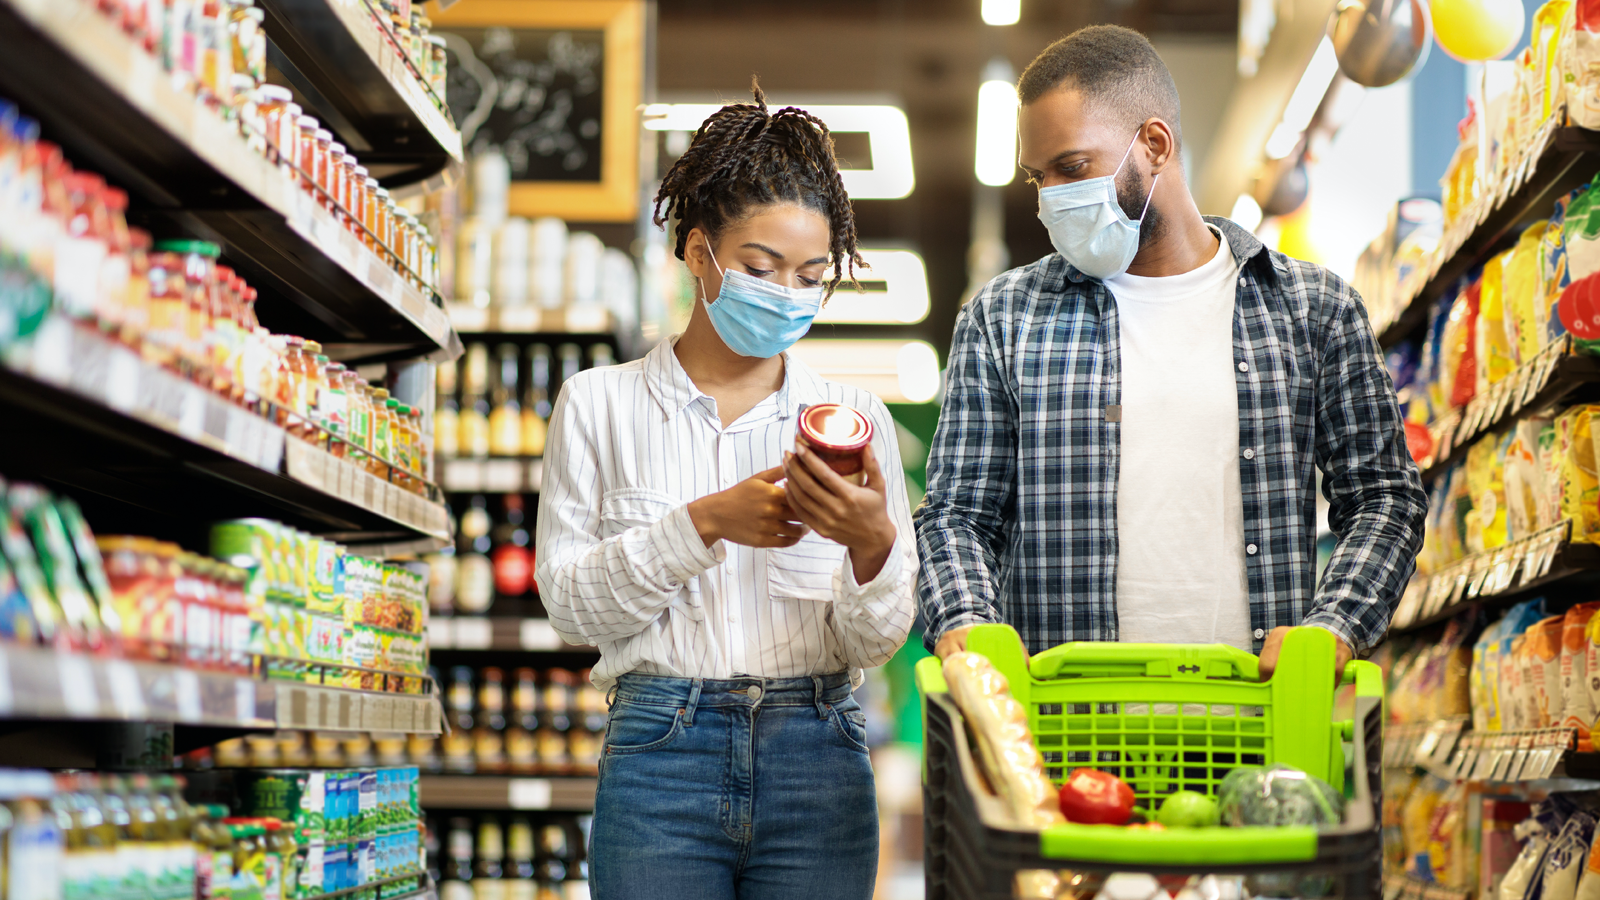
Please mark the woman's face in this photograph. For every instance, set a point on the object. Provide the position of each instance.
(783, 243)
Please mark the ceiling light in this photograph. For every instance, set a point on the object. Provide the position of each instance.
(1001, 12)
(896, 292)
(995, 162)
(1246, 213)
(1304, 101)
(897, 371)
(891, 176)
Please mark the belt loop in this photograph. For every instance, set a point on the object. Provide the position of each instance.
(694, 700)
(822, 707)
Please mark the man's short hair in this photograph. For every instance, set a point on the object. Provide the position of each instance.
(1115, 68)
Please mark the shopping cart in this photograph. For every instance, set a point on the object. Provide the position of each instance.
(1164, 718)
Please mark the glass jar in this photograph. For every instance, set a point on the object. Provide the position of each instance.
(323, 140)
(279, 116)
(306, 151)
(168, 296)
(350, 192)
(333, 180)
(371, 216)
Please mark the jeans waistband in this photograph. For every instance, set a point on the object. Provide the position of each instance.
(692, 693)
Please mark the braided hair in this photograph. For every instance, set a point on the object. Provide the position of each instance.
(744, 156)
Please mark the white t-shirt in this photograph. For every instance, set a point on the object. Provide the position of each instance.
(1180, 515)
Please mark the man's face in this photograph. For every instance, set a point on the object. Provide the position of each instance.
(1065, 140)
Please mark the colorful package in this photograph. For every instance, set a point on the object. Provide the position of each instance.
(1578, 709)
(1580, 488)
(1486, 678)
(1499, 846)
(1543, 649)
(1496, 356)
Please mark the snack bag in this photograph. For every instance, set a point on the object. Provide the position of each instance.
(1579, 234)
(1581, 60)
(1580, 488)
(1513, 703)
(1565, 860)
(1495, 355)
(1525, 492)
(1551, 459)
(1578, 710)
(1485, 685)
(1499, 845)
(1543, 648)
(1461, 347)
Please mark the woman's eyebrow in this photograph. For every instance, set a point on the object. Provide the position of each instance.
(764, 249)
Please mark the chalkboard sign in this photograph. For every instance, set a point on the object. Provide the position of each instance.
(555, 85)
(535, 95)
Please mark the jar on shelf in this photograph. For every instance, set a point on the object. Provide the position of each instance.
(279, 118)
(306, 151)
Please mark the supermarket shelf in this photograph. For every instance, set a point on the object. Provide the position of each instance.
(107, 424)
(1553, 379)
(338, 55)
(1565, 159)
(115, 111)
(425, 891)
(563, 793)
(498, 633)
(502, 475)
(40, 683)
(576, 322)
(1498, 578)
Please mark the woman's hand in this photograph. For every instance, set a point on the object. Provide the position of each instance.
(753, 512)
(857, 517)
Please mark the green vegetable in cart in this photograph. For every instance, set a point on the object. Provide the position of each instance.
(1188, 809)
(1278, 795)
(1093, 797)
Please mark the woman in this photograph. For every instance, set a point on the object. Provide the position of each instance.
(735, 589)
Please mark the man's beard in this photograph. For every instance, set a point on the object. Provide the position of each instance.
(1133, 197)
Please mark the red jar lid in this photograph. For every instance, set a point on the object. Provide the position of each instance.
(834, 426)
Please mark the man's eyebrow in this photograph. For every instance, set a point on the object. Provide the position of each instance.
(765, 249)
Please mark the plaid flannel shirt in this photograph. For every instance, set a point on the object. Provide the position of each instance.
(1020, 521)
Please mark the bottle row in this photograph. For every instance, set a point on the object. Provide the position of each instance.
(493, 558)
(413, 37)
(301, 605)
(218, 52)
(141, 837)
(502, 408)
(543, 722)
(481, 859)
(65, 245)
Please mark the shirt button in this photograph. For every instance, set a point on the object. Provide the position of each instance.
(1250, 549)
(1244, 367)
(1249, 453)
(755, 693)
(1260, 633)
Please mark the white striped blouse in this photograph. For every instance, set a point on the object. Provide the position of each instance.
(621, 566)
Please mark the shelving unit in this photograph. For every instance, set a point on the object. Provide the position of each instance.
(556, 325)
(108, 103)
(1498, 578)
(498, 633)
(105, 422)
(1564, 159)
(556, 793)
(342, 57)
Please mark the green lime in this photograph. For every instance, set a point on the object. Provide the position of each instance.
(1188, 809)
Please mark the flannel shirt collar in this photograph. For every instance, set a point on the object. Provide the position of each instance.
(673, 390)
(1245, 247)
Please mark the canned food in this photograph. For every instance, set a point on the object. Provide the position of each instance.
(839, 436)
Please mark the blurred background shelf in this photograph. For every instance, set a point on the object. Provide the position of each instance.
(562, 793)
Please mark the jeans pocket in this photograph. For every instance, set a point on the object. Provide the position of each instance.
(641, 727)
(850, 723)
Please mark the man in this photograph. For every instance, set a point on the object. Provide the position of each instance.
(1132, 425)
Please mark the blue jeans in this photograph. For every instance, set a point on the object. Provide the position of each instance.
(747, 788)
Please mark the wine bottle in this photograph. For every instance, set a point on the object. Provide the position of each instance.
(519, 860)
(474, 571)
(487, 865)
(457, 868)
(505, 413)
(536, 401)
(489, 738)
(522, 755)
(457, 745)
(511, 554)
(474, 414)
(447, 415)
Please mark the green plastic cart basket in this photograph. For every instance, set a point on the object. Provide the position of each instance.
(1164, 718)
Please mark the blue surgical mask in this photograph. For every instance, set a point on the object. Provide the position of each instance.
(1087, 224)
(757, 318)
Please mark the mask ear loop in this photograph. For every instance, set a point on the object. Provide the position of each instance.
(703, 297)
(1125, 154)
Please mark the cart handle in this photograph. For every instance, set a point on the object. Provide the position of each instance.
(1178, 662)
